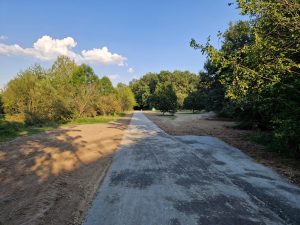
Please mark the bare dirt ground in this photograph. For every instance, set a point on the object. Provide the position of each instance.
(52, 177)
(205, 124)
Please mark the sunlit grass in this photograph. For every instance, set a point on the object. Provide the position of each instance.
(96, 119)
(14, 126)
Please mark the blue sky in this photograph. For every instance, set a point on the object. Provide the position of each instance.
(123, 39)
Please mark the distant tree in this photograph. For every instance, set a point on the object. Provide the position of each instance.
(183, 83)
(194, 101)
(142, 93)
(125, 96)
(106, 86)
(165, 98)
(86, 91)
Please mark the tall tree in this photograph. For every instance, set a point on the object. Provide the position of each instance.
(125, 96)
(86, 91)
(165, 98)
(106, 86)
(142, 93)
(194, 101)
(261, 73)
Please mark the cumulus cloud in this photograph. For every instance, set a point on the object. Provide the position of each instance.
(130, 70)
(48, 48)
(3, 37)
(104, 56)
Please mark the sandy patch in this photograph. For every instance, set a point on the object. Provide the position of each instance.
(51, 178)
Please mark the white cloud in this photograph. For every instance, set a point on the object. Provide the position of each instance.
(113, 76)
(104, 56)
(48, 48)
(130, 70)
(3, 37)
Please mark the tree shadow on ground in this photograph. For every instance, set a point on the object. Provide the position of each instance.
(50, 177)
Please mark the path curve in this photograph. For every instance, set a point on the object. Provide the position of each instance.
(158, 179)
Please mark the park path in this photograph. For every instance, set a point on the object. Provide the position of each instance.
(158, 179)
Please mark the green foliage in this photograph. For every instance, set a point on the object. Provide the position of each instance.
(105, 86)
(259, 65)
(183, 83)
(85, 91)
(194, 101)
(125, 97)
(287, 135)
(142, 93)
(83, 74)
(26, 95)
(211, 89)
(108, 105)
(65, 92)
(165, 98)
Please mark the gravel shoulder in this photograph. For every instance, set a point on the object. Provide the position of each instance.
(202, 124)
(51, 177)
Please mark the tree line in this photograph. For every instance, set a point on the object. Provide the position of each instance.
(254, 76)
(62, 93)
(164, 90)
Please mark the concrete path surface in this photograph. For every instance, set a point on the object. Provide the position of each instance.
(158, 179)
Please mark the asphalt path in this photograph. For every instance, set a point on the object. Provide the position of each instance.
(158, 179)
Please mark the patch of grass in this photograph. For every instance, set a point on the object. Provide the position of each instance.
(12, 129)
(14, 126)
(96, 119)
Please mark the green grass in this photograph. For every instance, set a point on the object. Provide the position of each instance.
(96, 119)
(10, 129)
